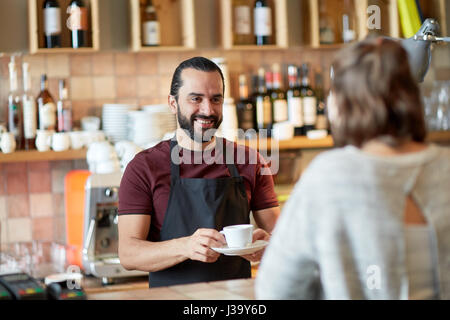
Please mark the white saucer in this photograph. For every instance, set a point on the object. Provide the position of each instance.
(255, 246)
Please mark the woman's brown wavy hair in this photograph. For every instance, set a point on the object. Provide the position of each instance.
(376, 95)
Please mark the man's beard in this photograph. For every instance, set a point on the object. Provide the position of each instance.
(188, 126)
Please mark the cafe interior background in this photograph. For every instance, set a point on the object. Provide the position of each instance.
(117, 68)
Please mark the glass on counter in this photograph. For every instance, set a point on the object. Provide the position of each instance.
(437, 107)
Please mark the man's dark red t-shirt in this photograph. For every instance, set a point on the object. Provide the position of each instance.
(145, 185)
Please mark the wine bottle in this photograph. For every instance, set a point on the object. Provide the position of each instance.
(309, 101)
(349, 33)
(294, 100)
(322, 120)
(64, 109)
(46, 107)
(29, 110)
(278, 95)
(150, 26)
(262, 22)
(263, 104)
(77, 23)
(242, 31)
(15, 115)
(245, 108)
(52, 24)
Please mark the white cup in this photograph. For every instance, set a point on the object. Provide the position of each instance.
(283, 131)
(60, 141)
(238, 236)
(90, 137)
(90, 123)
(8, 142)
(43, 139)
(105, 167)
(76, 139)
(100, 152)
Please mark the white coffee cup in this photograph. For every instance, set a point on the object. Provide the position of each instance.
(238, 236)
(60, 141)
(44, 139)
(283, 131)
(90, 137)
(90, 123)
(8, 142)
(76, 139)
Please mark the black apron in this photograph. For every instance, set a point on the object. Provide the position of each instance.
(203, 203)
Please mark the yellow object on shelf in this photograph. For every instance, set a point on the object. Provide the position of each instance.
(409, 17)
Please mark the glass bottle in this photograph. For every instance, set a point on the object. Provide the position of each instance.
(29, 110)
(309, 101)
(245, 108)
(294, 100)
(47, 113)
(349, 23)
(322, 120)
(52, 24)
(78, 23)
(262, 15)
(150, 26)
(15, 115)
(278, 95)
(242, 23)
(263, 103)
(64, 108)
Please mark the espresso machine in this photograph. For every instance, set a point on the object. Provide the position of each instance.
(100, 232)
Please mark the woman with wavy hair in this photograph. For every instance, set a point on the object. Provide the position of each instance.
(370, 219)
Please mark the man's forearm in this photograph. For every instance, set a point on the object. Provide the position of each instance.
(137, 254)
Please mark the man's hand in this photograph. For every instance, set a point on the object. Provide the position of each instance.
(258, 234)
(198, 245)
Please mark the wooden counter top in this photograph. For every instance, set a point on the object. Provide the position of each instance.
(241, 289)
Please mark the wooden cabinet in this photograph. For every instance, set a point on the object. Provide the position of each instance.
(176, 19)
(36, 27)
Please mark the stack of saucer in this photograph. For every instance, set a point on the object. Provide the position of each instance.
(150, 125)
(115, 121)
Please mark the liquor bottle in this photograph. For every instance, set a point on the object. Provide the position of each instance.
(322, 120)
(262, 22)
(52, 24)
(242, 27)
(245, 108)
(278, 95)
(263, 104)
(150, 26)
(349, 33)
(294, 100)
(326, 25)
(29, 110)
(78, 23)
(46, 107)
(309, 101)
(64, 109)
(15, 115)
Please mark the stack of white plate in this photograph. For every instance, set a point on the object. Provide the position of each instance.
(115, 121)
(150, 125)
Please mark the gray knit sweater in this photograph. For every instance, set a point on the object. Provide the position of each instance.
(341, 234)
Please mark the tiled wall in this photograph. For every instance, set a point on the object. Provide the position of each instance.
(31, 194)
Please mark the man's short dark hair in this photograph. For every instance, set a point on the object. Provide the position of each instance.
(197, 63)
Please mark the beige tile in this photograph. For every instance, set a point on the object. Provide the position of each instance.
(42, 228)
(19, 229)
(80, 64)
(37, 65)
(168, 62)
(3, 208)
(147, 101)
(81, 88)
(41, 205)
(126, 86)
(103, 64)
(147, 63)
(164, 85)
(271, 57)
(58, 204)
(4, 230)
(81, 109)
(147, 86)
(59, 229)
(125, 64)
(104, 87)
(18, 206)
(57, 178)
(58, 66)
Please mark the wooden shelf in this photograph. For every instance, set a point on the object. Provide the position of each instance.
(32, 156)
(36, 25)
(263, 144)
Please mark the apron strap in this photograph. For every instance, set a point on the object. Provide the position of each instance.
(175, 168)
